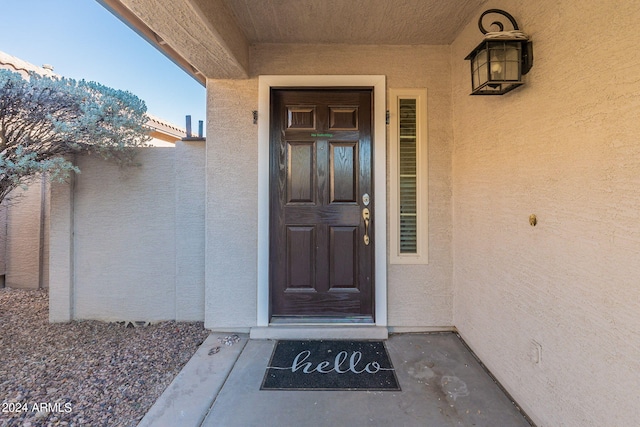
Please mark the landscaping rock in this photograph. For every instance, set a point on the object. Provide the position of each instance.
(84, 373)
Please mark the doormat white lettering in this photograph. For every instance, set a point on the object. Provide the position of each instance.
(330, 365)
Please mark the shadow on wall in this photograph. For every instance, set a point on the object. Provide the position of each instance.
(24, 237)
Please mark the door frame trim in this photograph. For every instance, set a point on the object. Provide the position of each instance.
(378, 83)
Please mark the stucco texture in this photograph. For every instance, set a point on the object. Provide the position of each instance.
(27, 236)
(552, 310)
(419, 296)
(231, 205)
(128, 243)
(123, 240)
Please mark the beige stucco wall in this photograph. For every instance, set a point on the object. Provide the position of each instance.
(231, 204)
(3, 243)
(128, 243)
(26, 247)
(419, 296)
(564, 147)
(61, 252)
(124, 239)
(189, 230)
(24, 225)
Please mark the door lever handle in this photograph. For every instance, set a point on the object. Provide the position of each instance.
(366, 216)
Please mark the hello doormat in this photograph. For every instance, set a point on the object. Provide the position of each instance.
(330, 365)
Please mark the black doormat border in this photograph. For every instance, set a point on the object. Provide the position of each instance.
(330, 365)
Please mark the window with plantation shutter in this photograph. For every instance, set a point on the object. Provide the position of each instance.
(408, 156)
(407, 163)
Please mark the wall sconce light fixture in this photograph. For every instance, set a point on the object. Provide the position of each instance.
(501, 59)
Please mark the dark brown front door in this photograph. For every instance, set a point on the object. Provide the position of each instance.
(321, 205)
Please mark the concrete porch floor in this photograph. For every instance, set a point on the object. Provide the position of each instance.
(442, 385)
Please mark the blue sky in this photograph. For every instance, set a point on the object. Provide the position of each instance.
(83, 40)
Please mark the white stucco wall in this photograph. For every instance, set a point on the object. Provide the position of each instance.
(553, 310)
(420, 297)
(128, 243)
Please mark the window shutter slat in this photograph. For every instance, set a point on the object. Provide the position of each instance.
(408, 175)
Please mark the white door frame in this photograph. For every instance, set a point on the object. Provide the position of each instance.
(265, 83)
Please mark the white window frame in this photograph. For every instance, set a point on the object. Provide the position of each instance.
(422, 178)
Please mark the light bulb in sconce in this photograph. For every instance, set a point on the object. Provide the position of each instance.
(496, 71)
(497, 61)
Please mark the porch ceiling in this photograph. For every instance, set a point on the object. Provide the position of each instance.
(390, 22)
(211, 38)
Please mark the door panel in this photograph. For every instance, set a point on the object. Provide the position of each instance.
(301, 117)
(344, 258)
(344, 167)
(345, 118)
(301, 261)
(320, 168)
(300, 180)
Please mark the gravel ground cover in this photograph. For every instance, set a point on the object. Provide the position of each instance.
(83, 373)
